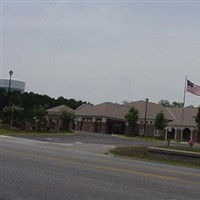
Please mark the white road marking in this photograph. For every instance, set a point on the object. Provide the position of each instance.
(69, 145)
(51, 139)
(109, 146)
(5, 136)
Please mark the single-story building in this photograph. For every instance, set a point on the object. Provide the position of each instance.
(101, 118)
(54, 120)
(109, 118)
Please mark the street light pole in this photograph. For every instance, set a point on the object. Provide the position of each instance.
(8, 100)
(145, 116)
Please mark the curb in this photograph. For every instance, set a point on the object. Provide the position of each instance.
(174, 152)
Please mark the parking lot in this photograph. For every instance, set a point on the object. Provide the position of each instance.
(84, 141)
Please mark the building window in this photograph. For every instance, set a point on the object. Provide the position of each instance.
(142, 131)
(99, 119)
(87, 119)
(156, 133)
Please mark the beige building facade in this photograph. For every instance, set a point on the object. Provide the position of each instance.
(54, 121)
(109, 118)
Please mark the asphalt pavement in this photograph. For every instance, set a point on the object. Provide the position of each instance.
(92, 142)
(40, 170)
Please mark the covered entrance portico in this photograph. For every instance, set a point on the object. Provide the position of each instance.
(181, 133)
(100, 125)
(115, 126)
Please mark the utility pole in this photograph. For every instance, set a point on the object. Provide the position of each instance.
(8, 100)
(145, 116)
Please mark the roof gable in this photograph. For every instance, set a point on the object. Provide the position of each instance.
(185, 116)
(59, 109)
(152, 109)
(106, 109)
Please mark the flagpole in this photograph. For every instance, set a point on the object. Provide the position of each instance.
(185, 90)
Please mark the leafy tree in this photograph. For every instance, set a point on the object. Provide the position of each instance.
(132, 118)
(15, 98)
(160, 122)
(177, 104)
(164, 103)
(67, 117)
(12, 115)
(197, 119)
(32, 106)
(28, 100)
(3, 98)
(39, 116)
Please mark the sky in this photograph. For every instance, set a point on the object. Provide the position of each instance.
(103, 51)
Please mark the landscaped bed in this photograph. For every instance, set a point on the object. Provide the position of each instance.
(143, 153)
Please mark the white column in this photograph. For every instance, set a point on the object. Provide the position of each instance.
(94, 119)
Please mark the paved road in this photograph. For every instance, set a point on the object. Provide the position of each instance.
(94, 142)
(36, 170)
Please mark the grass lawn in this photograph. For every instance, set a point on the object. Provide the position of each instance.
(142, 153)
(5, 131)
(32, 132)
(148, 139)
(184, 148)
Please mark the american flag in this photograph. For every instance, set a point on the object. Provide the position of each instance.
(192, 88)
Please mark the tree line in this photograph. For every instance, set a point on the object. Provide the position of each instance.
(166, 103)
(29, 107)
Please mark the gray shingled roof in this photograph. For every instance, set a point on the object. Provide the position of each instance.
(107, 109)
(59, 109)
(188, 117)
(152, 109)
(118, 111)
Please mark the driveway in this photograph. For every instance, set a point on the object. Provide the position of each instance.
(92, 142)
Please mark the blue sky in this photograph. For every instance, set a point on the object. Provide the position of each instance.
(103, 51)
